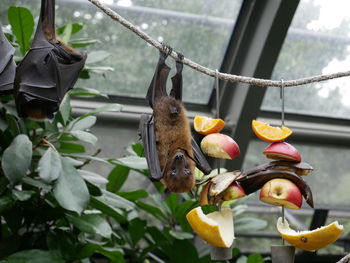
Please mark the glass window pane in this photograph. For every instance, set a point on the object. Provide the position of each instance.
(317, 43)
(198, 29)
(330, 180)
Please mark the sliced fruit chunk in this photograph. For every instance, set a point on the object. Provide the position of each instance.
(215, 228)
(203, 199)
(205, 125)
(234, 191)
(282, 151)
(281, 192)
(220, 146)
(269, 133)
(310, 240)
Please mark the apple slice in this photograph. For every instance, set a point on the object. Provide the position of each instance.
(281, 192)
(234, 191)
(282, 151)
(220, 146)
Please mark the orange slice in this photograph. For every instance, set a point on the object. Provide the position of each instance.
(205, 125)
(268, 133)
(215, 228)
(310, 240)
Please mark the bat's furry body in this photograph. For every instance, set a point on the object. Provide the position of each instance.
(170, 150)
(48, 71)
(173, 136)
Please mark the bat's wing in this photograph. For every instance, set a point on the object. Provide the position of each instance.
(200, 160)
(49, 69)
(146, 130)
(7, 65)
(176, 91)
(157, 88)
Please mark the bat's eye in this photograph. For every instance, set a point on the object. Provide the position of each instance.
(172, 173)
(187, 171)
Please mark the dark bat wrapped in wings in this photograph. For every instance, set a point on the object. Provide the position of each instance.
(7, 65)
(170, 150)
(48, 71)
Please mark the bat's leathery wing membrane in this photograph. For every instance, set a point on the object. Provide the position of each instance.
(7, 65)
(49, 69)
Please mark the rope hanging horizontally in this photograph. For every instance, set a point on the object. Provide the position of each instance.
(223, 76)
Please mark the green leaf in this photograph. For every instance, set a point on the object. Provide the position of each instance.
(66, 147)
(172, 201)
(33, 256)
(134, 195)
(105, 108)
(6, 202)
(16, 158)
(84, 136)
(63, 243)
(86, 92)
(22, 195)
(36, 183)
(82, 42)
(153, 210)
(117, 178)
(136, 229)
(70, 189)
(93, 178)
(3, 184)
(67, 33)
(99, 70)
(91, 224)
(134, 162)
(116, 201)
(65, 109)
(12, 124)
(83, 124)
(107, 209)
(75, 28)
(50, 165)
(255, 258)
(248, 224)
(93, 189)
(97, 56)
(180, 235)
(182, 251)
(22, 24)
(242, 259)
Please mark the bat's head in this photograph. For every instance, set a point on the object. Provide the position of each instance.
(179, 175)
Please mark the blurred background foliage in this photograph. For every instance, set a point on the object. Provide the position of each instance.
(54, 209)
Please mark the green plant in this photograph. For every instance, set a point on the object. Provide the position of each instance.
(54, 210)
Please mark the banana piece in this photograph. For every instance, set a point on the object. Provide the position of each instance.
(255, 181)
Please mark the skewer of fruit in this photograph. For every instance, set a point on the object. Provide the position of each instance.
(284, 187)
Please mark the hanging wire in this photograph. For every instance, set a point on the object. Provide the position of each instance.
(282, 100)
(282, 123)
(217, 109)
(223, 76)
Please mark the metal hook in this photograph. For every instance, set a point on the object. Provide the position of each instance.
(282, 99)
(217, 112)
(217, 92)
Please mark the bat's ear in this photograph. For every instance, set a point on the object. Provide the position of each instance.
(176, 91)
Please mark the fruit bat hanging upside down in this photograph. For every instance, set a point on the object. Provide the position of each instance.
(170, 150)
(48, 71)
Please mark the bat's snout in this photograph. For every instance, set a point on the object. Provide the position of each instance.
(179, 156)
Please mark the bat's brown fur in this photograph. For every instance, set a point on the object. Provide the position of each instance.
(173, 135)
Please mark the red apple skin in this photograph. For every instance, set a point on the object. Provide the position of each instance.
(281, 192)
(282, 151)
(220, 146)
(234, 191)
